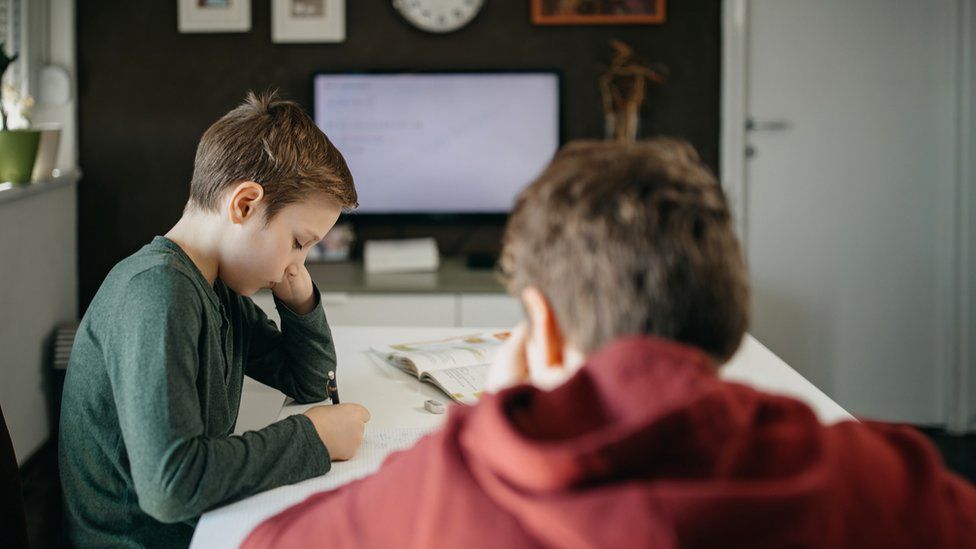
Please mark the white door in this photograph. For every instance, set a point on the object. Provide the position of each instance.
(848, 197)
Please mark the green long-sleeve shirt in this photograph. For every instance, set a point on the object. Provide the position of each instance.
(151, 398)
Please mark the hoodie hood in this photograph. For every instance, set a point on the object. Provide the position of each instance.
(644, 444)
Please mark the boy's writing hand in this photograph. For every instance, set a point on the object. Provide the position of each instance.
(295, 290)
(340, 427)
(509, 366)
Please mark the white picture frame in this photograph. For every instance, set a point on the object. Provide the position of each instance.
(214, 15)
(308, 21)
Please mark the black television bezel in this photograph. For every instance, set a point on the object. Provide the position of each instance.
(445, 218)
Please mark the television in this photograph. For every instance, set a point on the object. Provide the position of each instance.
(440, 143)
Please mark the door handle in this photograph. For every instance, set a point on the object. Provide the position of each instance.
(753, 125)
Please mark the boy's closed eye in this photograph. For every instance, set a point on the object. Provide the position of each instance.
(312, 239)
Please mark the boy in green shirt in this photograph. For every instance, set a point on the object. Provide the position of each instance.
(155, 377)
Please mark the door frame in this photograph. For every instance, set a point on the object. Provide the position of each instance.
(961, 390)
(956, 363)
(732, 139)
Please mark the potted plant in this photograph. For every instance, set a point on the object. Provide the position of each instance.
(18, 147)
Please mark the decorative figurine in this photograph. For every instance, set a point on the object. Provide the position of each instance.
(623, 87)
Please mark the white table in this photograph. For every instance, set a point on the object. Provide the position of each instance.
(396, 399)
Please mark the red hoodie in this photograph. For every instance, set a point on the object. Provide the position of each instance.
(644, 447)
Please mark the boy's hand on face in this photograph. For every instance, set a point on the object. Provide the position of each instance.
(510, 366)
(295, 290)
(340, 427)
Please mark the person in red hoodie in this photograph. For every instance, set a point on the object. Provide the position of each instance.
(608, 426)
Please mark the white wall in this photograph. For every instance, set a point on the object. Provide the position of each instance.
(38, 291)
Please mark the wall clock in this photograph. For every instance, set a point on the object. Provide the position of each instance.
(439, 16)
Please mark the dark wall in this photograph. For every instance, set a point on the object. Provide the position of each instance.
(147, 93)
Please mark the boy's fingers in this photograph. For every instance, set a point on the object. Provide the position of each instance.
(509, 366)
(519, 335)
(361, 411)
(517, 349)
(515, 338)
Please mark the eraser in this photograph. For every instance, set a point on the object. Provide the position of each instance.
(434, 407)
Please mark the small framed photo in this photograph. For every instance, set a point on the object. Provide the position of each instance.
(306, 21)
(597, 12)
(214, 15)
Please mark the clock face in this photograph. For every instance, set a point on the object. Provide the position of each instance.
(438, 15)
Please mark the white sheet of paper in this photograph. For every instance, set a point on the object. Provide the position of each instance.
(229, 525)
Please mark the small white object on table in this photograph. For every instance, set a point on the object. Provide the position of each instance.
(396, 401)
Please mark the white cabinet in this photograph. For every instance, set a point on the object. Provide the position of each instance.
(489, 310)
(389, 309)
(38, 292)
(411, 309)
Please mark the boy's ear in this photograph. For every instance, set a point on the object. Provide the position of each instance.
(244, 199)
(544, 330)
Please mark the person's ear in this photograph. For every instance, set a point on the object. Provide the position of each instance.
(244, 199)
(545, 336)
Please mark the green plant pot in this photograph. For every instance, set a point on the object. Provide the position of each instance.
(18, 150)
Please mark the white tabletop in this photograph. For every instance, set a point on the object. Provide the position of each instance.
(396, 402)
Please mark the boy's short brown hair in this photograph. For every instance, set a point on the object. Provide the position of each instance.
(272, 142)
(631, 239)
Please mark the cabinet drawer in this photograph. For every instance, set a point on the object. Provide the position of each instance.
(343, 309)
(390, 309)
(489, 310)
(466, 310)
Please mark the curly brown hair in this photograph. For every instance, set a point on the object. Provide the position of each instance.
(272, 142)
(630, 239)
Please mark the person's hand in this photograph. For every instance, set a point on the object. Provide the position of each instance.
(509, 367)
(340, 427)
(295, 290)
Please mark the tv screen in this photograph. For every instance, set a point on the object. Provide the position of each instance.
(440, 143)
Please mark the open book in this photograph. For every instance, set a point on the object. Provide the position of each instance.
(457, 365)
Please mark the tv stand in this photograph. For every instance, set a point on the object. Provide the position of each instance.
(454, 295)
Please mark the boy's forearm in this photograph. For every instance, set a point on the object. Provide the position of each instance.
(297, 358)
(199, 474)
(311, 353)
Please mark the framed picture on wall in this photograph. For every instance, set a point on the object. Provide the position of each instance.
(214, 15)
(306, 21)
(597, 12)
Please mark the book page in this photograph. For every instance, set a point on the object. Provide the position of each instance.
(228, 526)
(429, 360)
(463, 384)
(429, 356)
